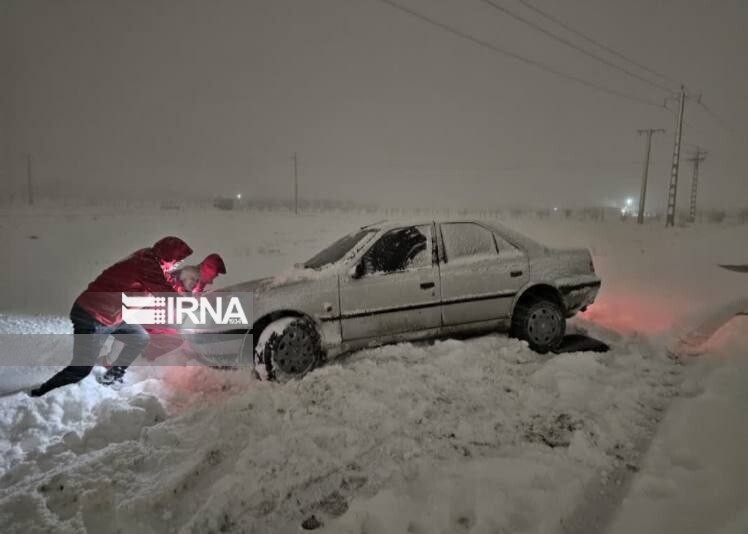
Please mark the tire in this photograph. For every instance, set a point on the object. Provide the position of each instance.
(541, 323)
(287, 348)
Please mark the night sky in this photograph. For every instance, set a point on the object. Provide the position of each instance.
(186, 99)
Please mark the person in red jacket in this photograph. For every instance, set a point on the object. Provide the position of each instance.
(188, 279)
(195, 278)
(210, 268)
(97, 312)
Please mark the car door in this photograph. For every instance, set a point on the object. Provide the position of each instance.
(480, 273)
(395, 289)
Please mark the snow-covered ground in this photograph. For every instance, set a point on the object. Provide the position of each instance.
(693, 478)
(476, 435)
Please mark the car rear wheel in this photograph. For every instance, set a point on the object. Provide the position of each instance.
(287, 348)
(541, 323)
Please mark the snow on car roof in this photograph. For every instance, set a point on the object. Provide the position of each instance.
(388, 224)
(507, 233)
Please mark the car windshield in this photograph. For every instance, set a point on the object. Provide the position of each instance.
(337, 250)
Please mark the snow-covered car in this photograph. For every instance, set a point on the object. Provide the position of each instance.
(390, 282)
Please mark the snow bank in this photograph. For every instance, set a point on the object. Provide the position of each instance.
(693, 478)
(344, 442)
(73, 420)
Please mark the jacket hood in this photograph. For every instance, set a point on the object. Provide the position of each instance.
(211, 267)
(171, 249)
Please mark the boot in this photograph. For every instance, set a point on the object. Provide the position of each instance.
(37, 392)
(113, 375)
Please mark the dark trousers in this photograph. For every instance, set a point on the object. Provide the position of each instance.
(90, 336)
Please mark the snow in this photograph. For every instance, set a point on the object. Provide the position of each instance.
(478, 435)
(382, 413)
(693, 476)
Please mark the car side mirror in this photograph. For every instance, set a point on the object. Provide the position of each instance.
(357, 271)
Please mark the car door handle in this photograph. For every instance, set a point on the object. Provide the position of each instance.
(515, 274)
(427, 285)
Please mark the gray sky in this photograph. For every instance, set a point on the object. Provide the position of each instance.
(212, 97)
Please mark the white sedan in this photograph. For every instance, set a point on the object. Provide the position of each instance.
(393, 282)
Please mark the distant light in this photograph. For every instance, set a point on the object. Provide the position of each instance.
(239, 196)
(623, 211)
(555, 209)
(629, 201)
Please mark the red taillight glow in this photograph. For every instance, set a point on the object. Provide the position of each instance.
(630, 312)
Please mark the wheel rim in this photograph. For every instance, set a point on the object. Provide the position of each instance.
(543, 326)
(295, 352)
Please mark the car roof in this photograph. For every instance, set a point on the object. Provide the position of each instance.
(507, 233)
(388, 224)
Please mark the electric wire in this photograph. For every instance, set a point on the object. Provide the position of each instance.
(589, 39)
(573, 45)
(517, 57)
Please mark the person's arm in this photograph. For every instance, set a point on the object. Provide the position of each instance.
(174, 280)
(155, 280)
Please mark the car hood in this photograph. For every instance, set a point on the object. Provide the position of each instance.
(250, 285)
(296, 276)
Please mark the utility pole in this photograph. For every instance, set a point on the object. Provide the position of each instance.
(672, 193)
(29, 181)
(645, 172)
(695, 159)
(295, 184)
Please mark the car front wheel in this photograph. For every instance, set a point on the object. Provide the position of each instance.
(287, 348)
(541, 323)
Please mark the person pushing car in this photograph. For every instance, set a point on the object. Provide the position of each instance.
(190, 279)
(97, 312)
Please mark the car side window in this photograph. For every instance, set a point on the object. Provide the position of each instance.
(504, 245)
(399, 250)
(467, 239)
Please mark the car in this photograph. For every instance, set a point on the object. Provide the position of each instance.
(395, 281)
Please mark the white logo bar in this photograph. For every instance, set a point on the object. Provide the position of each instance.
(183, 310)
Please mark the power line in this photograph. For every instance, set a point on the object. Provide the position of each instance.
(574, 46)
(518, 57)
(689, 124)
(592, 40)
(723, 123)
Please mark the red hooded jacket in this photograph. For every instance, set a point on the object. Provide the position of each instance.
(164, 340)
(141, 272)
